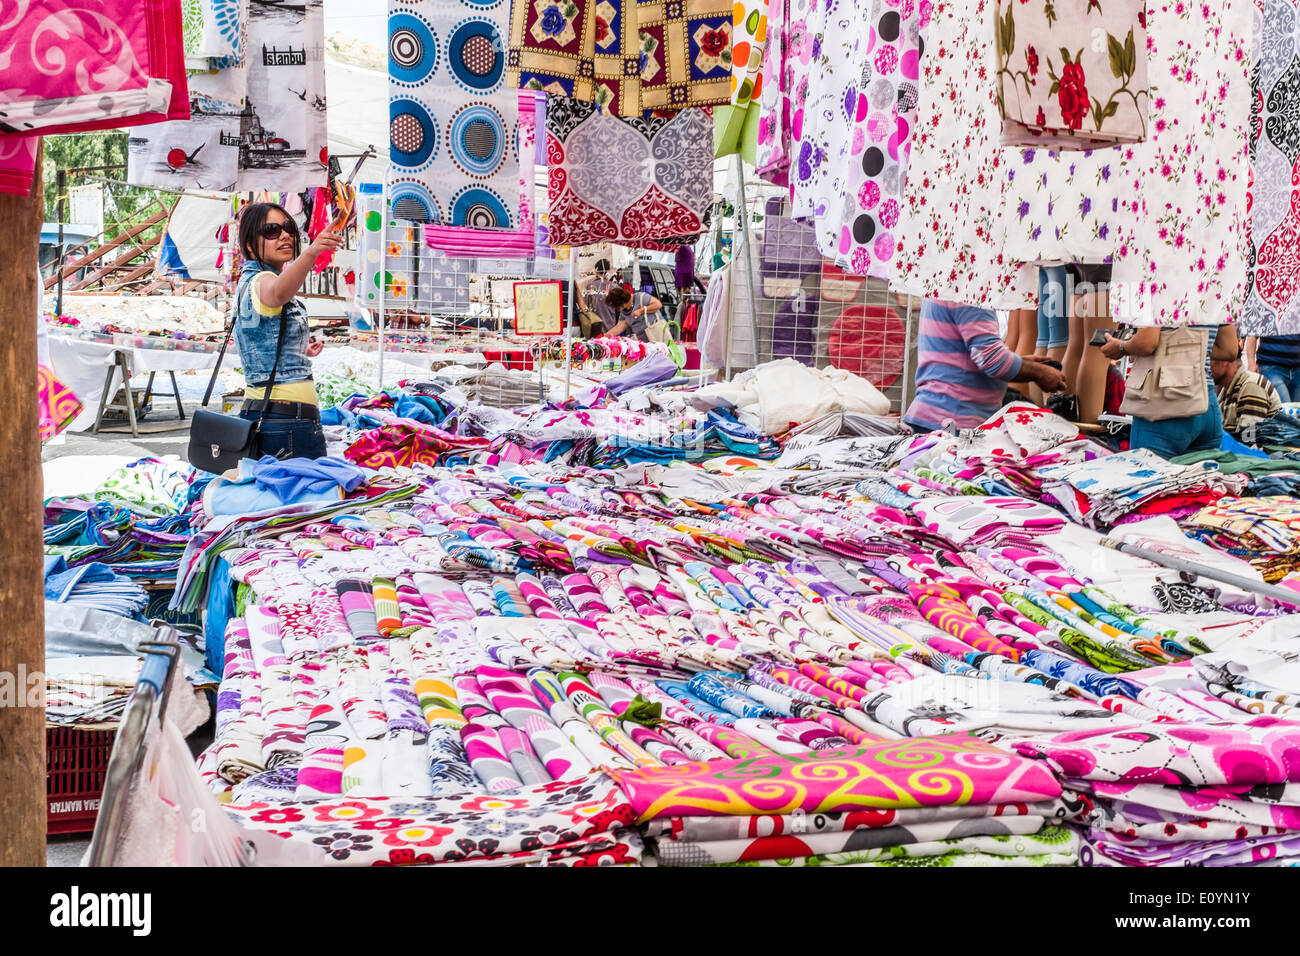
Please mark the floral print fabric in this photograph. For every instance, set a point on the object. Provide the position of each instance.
(1072, 76)
(624, 56)
(1182, 250)
(951, 227)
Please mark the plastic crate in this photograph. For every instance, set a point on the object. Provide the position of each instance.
(76, 762)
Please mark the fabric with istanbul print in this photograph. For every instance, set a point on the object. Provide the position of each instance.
(858, 227)
(1273, 289)
(952, 227)
(1060, 84)
(1183, 232)
(623, 179)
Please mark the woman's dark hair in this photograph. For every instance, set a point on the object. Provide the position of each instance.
(618, 297)
(601, 266)
(252, 219)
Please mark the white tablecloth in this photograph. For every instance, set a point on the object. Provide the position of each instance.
(82, 365)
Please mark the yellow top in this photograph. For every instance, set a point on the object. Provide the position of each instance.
(304, 392)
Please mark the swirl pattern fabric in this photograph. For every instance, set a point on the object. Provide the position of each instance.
(626, 180)
(453, 117)
(81, 65)
(914, 773)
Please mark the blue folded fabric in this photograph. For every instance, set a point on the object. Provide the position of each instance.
(292, 478)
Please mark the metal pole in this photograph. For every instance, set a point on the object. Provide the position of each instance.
(905, 396)
(568, 325)
(742, 209)
(61, 188)
(383, 273)
(1281, 595)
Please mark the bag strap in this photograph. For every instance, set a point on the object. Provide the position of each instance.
(270, 383)
(221, 356)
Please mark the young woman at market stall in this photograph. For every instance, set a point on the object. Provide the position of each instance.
(639, 314)
(1170, 437)
(266, 311)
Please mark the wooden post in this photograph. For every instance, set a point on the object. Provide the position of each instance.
(22, 606)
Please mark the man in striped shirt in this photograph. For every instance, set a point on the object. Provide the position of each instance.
(963, 367)
(1246, 398)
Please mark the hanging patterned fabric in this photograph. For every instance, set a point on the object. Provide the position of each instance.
(772, 150)
(1273, 289)
(1061, 84)
(17, 164)
(951, 227)
(75, 65)
(626, 180)
(452, 114)
(857, 226)
(58, 405)
(624, 56)
(1182, 249)
(735, 125)
(520, 241)
(255, 125)
(575, 48)
(685, 47)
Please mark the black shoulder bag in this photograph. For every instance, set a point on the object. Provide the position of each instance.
(219, 442)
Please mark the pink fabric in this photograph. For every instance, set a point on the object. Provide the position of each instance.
(78, 65)
(464, 241)
(17, 164)
(924, 771)
(1264, 750)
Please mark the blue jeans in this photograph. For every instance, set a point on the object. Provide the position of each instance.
(1285, 380)
(1180, 436)
(1053, 311)
(286, 437)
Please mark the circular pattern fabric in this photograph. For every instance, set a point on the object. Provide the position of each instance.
(412, 48)
(476, 55)
(412, 133)
(479, 208)
(411, 200)
(478, 139)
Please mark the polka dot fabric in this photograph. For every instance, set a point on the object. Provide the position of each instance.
(452, 115)
(851, 164)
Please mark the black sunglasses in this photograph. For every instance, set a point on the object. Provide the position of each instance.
(273, 230)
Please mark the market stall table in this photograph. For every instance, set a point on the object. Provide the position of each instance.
(84, 365)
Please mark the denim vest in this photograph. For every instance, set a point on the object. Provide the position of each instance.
(256, 335)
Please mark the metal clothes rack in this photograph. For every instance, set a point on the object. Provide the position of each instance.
(149, 696)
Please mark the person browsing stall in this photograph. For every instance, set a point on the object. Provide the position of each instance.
(963, 367)
(639, 314)
(1169, 390)
(1246, 398)
(596, 287)
(271, 320)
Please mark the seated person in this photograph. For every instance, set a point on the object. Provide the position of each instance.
(1245, 397)
(963, 367)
